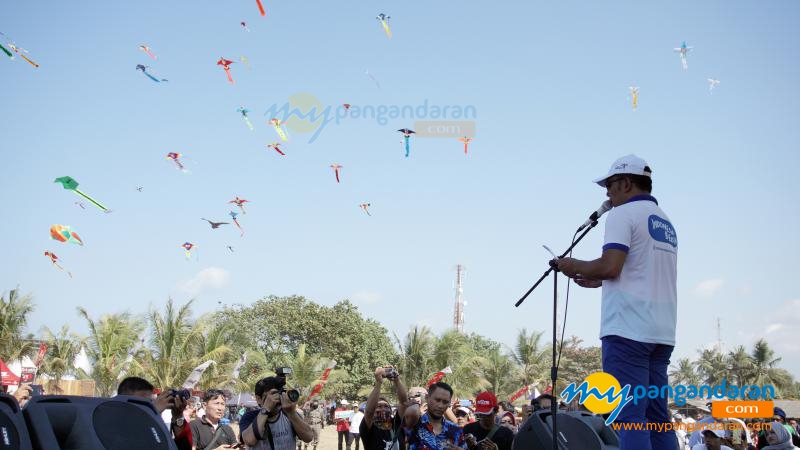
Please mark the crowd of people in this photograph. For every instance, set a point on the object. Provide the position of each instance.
(413, 419)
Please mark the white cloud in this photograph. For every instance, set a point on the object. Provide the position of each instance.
(366, 297)
(708, 288)
(773, 328)
(208, 278)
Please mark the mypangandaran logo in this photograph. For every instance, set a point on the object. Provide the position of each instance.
(601, 393)
(304, 113)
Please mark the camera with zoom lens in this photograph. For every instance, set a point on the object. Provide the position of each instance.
(183, 394)
(292, 394)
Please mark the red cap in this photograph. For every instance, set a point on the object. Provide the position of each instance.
(485, 403)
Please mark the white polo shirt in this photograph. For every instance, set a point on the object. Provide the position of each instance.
(642, 303)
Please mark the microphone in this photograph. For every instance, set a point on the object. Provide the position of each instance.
(596, 215)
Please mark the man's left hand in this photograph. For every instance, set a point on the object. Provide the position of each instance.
(164, 400)
(289, 407)
(567, 266)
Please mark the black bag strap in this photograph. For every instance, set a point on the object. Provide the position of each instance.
(217, 434)
(269, 435)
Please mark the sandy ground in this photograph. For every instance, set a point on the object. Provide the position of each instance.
(328, 439)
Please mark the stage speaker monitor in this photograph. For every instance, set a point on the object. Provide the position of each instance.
(574, 433)
(60, 422)
(13, 434)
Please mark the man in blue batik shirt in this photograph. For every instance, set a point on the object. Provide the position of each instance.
(431, 431)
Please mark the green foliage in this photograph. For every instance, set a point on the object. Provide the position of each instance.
(62, 348)
(14, 310)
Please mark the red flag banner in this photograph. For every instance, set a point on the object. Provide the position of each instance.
(324, 379)
(518, 394)
(7, 377)
(40, 355)
(437, 377)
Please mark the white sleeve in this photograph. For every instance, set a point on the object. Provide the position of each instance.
(618, 231)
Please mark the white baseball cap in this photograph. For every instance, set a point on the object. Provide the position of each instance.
(628, 164)
(716, 431)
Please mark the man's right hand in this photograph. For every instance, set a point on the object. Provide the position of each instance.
(23, 394)
(271, 400)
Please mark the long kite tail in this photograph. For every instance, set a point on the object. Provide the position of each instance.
(279, 151)
(150, 54)
(228, 73)
(407, 145)
(465, 147)
(94, 202)
(280, 132)
(5, 50)
(249, 124)
(684, 63)
(238, 226)
(29, 61)
(386, 28)
(337, 175)
(261, 8)
(151, 77)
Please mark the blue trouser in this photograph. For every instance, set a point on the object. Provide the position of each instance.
(640, 364)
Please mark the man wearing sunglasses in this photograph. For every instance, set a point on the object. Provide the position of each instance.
(638, 273)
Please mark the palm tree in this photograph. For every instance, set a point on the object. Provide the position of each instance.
(684, 373)
(764, 361)
(14, 312)
(741, 365)
(62, 348)
(713, 366)
(176, 347)
(415, 356)
(110, 340)
(497, 371)
(530, 357)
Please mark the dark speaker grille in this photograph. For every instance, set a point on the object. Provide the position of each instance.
(123, 426)
(9, 437)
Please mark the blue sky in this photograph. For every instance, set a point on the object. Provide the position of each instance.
(549, 82)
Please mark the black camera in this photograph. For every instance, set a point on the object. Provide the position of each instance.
(183, 394)
(390, 373)
(293, 394)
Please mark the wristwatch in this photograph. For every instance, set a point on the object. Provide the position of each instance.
(179, 422)
(264, 411)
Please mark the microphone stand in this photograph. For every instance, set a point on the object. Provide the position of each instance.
(553, 367)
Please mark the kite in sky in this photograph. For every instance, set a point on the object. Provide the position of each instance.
(244, 25)
(634, 96)
(233, 216)
(54, 260)
(466, 140)
(230, 248)
(372, 77)
(406, 136)
(277, 147)
(384, 20)
(146, 49)
(279, 128)
(243, 111)
(712, 83)
(214, 225)
(144, 68)
(336, 168)
(63, 233)
(683, 50)
(70, 184)
(80, 204)
(346, 108)
(365, 207)
(175, 157)
(18, 50)
(140, 188)
(226, 64)
(244, 61)
(187, 248)
(261, 8)
(240, 203)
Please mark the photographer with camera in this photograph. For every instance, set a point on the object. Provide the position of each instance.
(379, 430)
(167, 400)
(277, 424)
(207, 432)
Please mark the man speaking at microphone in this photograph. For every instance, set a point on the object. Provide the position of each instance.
(638, 273)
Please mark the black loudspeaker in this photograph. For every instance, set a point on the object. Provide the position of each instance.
(13, 434)
(576, 431)
(57, 422)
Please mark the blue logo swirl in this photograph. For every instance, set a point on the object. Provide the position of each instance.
(662, 231)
